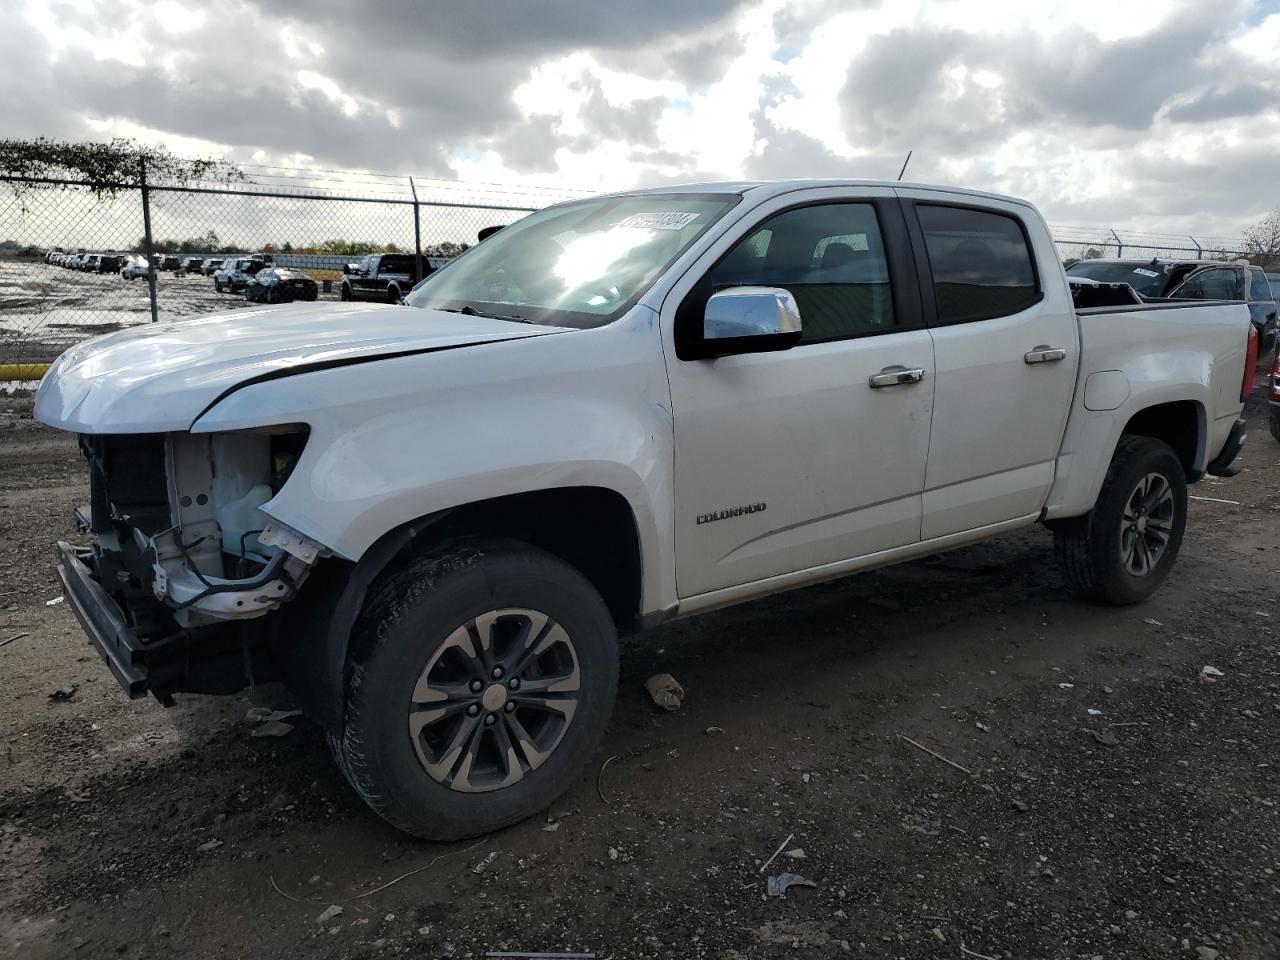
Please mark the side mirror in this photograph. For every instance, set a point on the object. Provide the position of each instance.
(750, 320)
(348, 268)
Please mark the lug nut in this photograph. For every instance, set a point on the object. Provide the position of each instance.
(497, 673)
(473, 710)
(475, 686)
(515, 683)
(511, 706)
(488, 721)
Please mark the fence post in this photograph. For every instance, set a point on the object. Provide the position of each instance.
(1119, 245)
(1199, 252)
(417, 232)
(146, 237)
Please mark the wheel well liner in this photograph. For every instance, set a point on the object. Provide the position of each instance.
(1178, 423)
(591, 528)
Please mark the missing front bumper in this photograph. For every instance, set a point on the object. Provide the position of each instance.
(140, 665)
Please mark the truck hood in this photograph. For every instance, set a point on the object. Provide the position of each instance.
(160, 377)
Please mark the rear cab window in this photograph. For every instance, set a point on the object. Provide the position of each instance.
(1259, 288)
(981, 263)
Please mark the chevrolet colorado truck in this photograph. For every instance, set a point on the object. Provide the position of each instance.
(434, 520)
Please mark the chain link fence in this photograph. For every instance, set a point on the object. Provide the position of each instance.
(77, 261)
(54, 293)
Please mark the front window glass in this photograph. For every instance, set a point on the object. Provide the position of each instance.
(576, 264)
(830, 258)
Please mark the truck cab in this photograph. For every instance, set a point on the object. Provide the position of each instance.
(382, 277)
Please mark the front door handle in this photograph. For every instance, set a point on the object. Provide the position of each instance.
(1045, 354)
(895, 376)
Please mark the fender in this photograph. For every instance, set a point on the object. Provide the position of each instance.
(1195, 354)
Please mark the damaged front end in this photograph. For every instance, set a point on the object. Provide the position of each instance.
(184, 567)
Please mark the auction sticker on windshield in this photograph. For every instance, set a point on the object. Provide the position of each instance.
(659, 221)
(1145, 273)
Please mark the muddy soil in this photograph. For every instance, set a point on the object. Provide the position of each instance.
(1113, 802)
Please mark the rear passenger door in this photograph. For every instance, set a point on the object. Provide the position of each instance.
(1006, 348)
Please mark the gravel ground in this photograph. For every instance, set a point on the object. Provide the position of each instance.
(1106, 798)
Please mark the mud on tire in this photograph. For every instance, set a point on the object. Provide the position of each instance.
(419, 634)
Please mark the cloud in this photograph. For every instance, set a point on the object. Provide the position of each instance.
(1243, 100)
(1092, 111)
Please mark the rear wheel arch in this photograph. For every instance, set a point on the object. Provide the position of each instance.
(1182, 425)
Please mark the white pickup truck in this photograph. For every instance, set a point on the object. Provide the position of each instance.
(434, 520)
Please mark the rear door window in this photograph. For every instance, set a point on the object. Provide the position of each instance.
(1216, 283)
(981, 263)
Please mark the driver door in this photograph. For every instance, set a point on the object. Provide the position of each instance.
(790, 460)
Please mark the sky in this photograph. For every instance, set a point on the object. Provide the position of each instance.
(1161, 115)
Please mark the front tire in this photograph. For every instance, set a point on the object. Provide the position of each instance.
(479, 688)
(1123, 549)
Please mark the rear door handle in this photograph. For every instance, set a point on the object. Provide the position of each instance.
(895, 376)
(1045, 354)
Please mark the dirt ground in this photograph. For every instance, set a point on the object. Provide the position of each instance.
(1113, 801)
(44, 309)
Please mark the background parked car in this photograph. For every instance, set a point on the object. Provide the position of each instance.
(167, 263)
(192, 264)
(109, 263)
(236, 274)
(1262, 307)
(1183, 280)
(134, 268)
(89, 262)
(211, 266)
(384, 277)
(280, 285)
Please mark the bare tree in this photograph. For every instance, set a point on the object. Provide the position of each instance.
(1262, 242)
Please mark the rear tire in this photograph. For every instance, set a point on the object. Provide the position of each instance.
(1122, 550)
(217, 285)
(453, 728)
(1274, 423)
(345, 293)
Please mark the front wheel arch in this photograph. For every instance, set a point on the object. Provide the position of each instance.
(314, 646)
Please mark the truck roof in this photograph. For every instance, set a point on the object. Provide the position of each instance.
(777, 187)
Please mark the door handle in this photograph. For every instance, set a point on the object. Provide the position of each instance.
(895, 376)
(1045, 354)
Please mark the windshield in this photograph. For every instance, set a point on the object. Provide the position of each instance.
(578, 264)
(1147, 279)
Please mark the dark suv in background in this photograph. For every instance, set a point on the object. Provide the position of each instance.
(384, 277)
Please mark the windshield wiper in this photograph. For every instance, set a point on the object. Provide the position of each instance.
(471, 311)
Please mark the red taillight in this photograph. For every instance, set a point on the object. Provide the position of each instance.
(1250, 361)
(1273, 382)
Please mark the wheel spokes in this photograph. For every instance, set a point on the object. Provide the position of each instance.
(494, 700)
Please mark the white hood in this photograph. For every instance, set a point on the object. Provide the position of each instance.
(161, 377)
